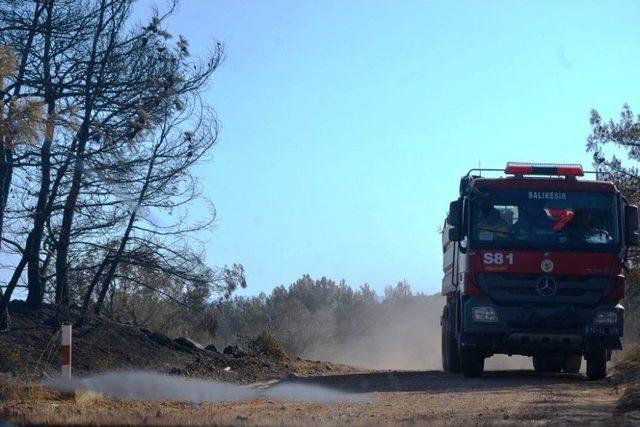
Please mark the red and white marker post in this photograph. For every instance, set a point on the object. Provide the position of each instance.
(65, 352)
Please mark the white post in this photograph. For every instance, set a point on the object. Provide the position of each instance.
(65, 352)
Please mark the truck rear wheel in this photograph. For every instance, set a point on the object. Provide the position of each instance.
(471, 361)
(572, 363)
(450, 357)
(596, 363)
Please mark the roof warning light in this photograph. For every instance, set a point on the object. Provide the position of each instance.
(515, 168)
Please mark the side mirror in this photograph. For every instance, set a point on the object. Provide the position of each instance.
(631, 225)
(454, 219)
(454, 234)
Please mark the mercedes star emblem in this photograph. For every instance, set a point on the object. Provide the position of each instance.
(546, 286)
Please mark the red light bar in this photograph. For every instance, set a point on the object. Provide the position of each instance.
(543, 169)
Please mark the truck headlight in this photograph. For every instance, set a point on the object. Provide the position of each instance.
(484, 314)
(605, 317)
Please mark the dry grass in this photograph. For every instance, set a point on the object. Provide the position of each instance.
(628, 369)
(25, 402)
(12, 357)
(19, 391)
(628, 363)
(13, 390)
(85, 398)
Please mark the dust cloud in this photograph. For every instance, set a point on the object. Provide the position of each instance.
(404, 336)
(153, 386)
(401, 335)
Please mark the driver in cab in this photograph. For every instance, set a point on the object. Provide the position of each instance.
(490, 225)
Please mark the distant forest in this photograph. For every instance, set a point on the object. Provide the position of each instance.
(323, 319)
(320, 319)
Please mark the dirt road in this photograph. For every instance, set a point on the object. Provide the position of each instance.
(430, 397)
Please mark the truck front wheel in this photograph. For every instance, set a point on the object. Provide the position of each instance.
(471, 361)
(596, 363)
(450, 359)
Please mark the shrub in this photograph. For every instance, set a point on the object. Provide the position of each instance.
(267, 344)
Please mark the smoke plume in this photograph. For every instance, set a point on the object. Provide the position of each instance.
(152, 386)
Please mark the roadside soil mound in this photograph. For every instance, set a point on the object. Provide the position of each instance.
(30, 350)
(626, 374)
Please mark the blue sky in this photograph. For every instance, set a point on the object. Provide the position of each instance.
(347, 124)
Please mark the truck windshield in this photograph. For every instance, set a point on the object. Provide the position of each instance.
(554, 220)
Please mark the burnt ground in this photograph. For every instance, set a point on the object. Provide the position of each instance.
(30, 350)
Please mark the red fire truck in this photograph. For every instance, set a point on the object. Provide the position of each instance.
(534, 265)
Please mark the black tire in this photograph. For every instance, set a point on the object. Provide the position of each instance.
(547, 364)
(471, 361)
(537, 364)
(596, 363)
(450, 358)
(572, 363)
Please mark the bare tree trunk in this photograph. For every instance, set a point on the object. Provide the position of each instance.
(92, 286)
(6, 151)
(6, 172)
(34, 242)
(35, 286)
(125, 238)
(6, 167)
(23, 262)
(62, 253)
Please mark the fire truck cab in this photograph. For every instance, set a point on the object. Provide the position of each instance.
(534, 265)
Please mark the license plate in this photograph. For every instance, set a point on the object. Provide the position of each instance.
(602, 330)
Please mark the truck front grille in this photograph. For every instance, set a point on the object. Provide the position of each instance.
(506, 288)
